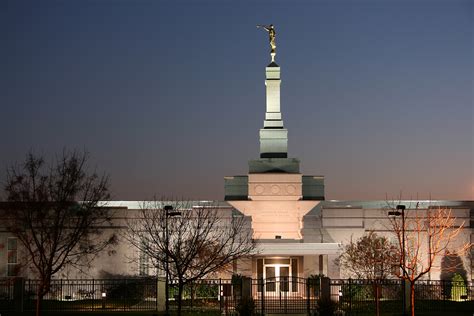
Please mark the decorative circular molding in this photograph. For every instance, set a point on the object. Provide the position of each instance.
(291, 189)
(259, 189)
(275, 189)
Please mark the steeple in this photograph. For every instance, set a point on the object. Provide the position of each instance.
(273, 136)
(273, 176)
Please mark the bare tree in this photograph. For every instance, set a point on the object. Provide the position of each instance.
(423, 236)
(53, 211)
(370, 257)
(187, 241)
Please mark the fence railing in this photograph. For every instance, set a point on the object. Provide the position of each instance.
(362, 297)
(272, 295)
(205, 294)
(69, 295)
(7, 297)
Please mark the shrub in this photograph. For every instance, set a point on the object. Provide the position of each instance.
(236, 281)
(206, 290)
(326, 307)
(130, 289)
(314, 283)
(246, 306)
(458, 287)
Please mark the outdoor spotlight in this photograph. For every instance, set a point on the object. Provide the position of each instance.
(104, 295)
(401, 207)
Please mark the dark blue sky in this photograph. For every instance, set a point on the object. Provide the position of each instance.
(168, 96)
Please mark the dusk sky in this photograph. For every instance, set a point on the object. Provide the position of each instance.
(168, 96)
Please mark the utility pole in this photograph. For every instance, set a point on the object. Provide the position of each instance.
(168, 213)
(401, 211)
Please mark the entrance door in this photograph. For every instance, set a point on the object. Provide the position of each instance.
(277, 278)
(277, 275)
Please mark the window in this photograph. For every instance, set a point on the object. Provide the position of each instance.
(144, 260)
(294, 273)
(12, 256)
(277, 261)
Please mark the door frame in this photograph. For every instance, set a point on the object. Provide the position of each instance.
(277, 281)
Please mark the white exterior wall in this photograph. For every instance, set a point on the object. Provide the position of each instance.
(269, 218)
(342, 225)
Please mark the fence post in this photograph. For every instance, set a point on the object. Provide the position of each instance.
(246, 288)
(219, 295)
(308, 293)
(444, 291)
(325, 289)
(192, 293)
(93, 291)
(263, 295)
(350, 296)
(18, 291)
(126, 295)
(160, 294)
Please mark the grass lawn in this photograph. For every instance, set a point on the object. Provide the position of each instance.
(113, 313)
(422, 308)
(388, 308)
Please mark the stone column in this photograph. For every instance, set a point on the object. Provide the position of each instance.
(18, 290)
(160, 294)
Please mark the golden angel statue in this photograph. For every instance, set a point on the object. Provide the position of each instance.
(272, 34)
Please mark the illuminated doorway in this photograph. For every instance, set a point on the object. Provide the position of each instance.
(279, 274)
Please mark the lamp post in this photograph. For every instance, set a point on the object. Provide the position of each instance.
(401, 211)
(168, 213)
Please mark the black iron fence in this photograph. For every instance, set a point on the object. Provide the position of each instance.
(284, 295)
(449, 296)
(288, 295)
(201, 295)
(365, 297)
(70, 295)
(7, 297)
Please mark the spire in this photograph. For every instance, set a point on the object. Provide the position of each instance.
(273, 136)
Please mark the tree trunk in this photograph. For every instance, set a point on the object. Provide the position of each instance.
(39, 299)
(412, 298)
(193, 294)
(377, 298)
(180, 296)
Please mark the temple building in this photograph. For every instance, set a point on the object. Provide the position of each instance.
(298, 232)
